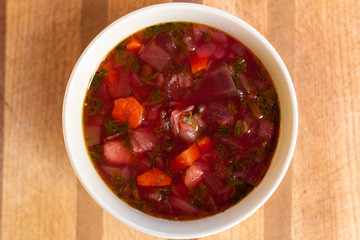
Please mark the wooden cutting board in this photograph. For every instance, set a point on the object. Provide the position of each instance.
(41, 40)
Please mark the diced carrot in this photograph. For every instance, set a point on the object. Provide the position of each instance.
(128, 110)
(204, 145)
(199, 64)
(185, 158)
(112, 73)
(134, 44)
(153, 178)
(110, 78)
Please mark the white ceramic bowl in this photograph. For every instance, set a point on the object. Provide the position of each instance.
(89, 62)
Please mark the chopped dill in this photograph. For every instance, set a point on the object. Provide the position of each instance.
(231, 107)
(95, 152)
(223, 131)
(240, 65)
(238, 128)
(156, 95)
(92, 106)
(113, 127)
(165, 27)
(98, 77)
(207, 37)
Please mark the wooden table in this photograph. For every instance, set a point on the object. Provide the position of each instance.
(41, 198)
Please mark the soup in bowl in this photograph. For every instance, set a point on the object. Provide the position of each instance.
(180, 120)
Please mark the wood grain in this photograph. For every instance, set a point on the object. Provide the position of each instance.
(326, 182)
(88, 213)
(39, 186)
(280, 27)
(40, 42)
(2, 91)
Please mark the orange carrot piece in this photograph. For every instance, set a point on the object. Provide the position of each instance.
(112, 73)
(109, 63)
(134, 44)
(110, 78)
(199, 64)
(153, 178)
(204, 145)
(128, 110)
(185, 158)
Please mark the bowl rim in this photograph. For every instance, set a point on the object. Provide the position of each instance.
(68, 112)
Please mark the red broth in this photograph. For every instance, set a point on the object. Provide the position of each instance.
(181, 120)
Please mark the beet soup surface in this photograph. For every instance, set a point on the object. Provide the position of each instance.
(181, 120)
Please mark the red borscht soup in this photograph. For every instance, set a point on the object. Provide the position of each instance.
(181, 120)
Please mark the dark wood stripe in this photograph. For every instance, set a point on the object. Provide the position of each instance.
(94, 18)
(89, 222)
(281, 29)
(2, 91)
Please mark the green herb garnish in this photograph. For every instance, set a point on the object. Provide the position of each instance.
(238, 128)
(113, 127)
(131, 64)
(198, 194)
(197, 78)
(127, 144)
(165, 27)
(207, 37)
(131, 182)
(260, 74)
(189, 120)
(121, 45)
(155, 153)
(156, 95)
(119, 181)
(236, 82)
(223, 131)
(242, 189)
(180, 42)
(164, 192)
(231, 107)
(92, 106)
(95, 152)
(150, 77)
(98, 77)
(240, 65)
(221, 149)
(172, 68)
(135, 66)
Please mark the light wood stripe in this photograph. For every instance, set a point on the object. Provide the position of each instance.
(281, 34)
(2, 92)
(38, 194)
(326, 200)
(89, 224)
